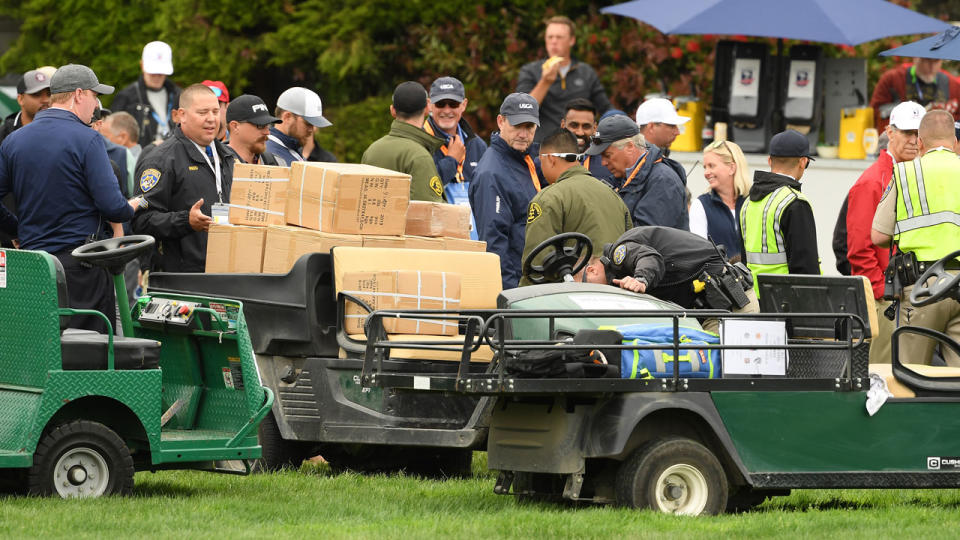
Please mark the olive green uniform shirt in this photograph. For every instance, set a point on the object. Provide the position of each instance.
(576, 202)
(409, 150)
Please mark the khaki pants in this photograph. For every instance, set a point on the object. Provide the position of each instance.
(880, 344)
(943, 316)
(713, 325)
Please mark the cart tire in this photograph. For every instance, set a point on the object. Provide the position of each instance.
(81, 459)
(277, 452)
(674, 476)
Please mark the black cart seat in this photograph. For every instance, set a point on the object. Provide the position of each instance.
(87, 350)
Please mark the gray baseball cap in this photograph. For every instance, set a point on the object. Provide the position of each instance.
(303, 102)
(72, 76)
(611, 129)
(519, 108)
(447, 88)
(32, 82)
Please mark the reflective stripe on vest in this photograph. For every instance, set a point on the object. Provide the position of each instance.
(928, 205)
(763, 244)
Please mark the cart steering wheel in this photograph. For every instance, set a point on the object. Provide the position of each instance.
(113, 253)
(563, 263)
(944, 284)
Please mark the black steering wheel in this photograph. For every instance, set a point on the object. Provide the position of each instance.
(944, 284)
(563, 263)
(114, 253)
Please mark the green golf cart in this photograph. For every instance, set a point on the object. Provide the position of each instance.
(687, 444)
(82, 411)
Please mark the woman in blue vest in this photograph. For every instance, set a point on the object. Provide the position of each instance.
(717, 212)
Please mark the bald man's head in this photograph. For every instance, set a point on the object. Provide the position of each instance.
(936, 129)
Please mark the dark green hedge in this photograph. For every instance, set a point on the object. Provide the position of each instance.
(354, 53)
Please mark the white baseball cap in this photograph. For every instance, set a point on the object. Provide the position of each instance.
(907, 115)
(659, 110)
(157, 58)
(304, 102)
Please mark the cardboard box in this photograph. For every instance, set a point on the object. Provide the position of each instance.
(234, 249)
(396, 242)
(403, 290)
(284, 245)
(347, 198)
(438, 219)
(459, 244)
(258, 194)
(422, 242)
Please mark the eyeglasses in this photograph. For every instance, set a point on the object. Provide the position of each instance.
(565, 156)
(447, 104)
(717, 144)
(259, 126)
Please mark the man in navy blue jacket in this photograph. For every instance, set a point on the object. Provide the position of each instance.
(651, 189)
(64, 198)
(506, 178)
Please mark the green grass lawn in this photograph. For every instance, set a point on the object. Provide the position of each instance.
(315, 503)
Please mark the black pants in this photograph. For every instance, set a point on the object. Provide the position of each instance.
(88, 287)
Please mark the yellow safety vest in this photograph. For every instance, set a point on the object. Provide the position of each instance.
(763, 245)
(928, 205)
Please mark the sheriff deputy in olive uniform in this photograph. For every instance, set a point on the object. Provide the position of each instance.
(920, 212)
(674, 265)
(408, 148)
(184, 182)
(574, 201)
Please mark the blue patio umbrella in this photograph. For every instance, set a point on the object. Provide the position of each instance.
(848, 22)
(943, 46)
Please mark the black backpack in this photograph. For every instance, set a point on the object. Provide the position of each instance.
(557, 362)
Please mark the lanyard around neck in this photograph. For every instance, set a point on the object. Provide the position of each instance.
(214, 167)
(635, 171)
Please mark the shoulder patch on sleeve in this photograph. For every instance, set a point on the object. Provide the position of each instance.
(148, 179)
(619, 254)
(534, 212)
(437, 186)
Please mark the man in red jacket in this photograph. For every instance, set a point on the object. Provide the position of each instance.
(867, 259)
(923, 82)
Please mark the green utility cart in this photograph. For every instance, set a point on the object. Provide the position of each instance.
(683, 444)
(82, 411)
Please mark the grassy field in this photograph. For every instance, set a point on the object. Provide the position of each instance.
(316, 503)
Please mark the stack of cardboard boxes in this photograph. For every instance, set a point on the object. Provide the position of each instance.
(278, 214)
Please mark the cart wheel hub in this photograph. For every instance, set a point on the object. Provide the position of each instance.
(77, 475)
(682, 489)
(674, 492)
(81, 472)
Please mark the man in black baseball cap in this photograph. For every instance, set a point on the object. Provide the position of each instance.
(776, 204)
(650, 188)
(407, 147)
(249, 121)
